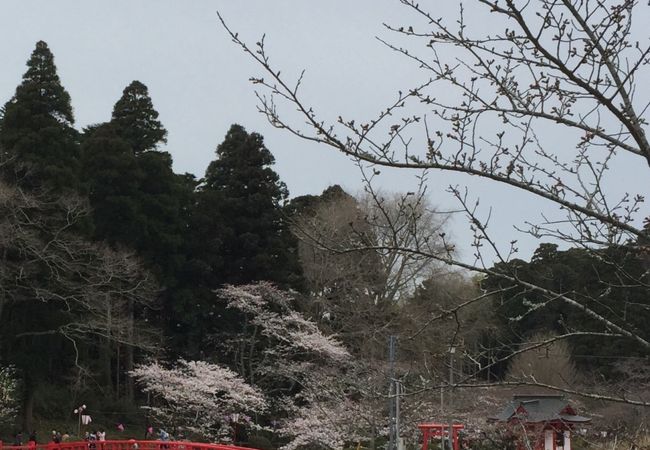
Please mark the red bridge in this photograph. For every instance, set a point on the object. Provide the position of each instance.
(131, 444)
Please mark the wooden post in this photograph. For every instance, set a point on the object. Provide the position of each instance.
(549, 440)
(567, 440)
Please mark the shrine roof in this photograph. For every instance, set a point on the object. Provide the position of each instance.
(539, 408)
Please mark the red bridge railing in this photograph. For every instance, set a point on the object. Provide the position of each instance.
(131, 444)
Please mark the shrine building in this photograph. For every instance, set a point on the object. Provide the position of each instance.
(540, 422)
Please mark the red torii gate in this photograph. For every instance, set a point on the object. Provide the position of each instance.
(439, 430)
(131, 444)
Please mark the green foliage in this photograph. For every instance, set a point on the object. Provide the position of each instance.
(113, 180)
(162, 197)
(237, 233)
(136, 197)
(42, 86)
(238, 215)
(52, 399)
(34, 286)
(58, 289)
(61, 296)
(607, 281)
(235, 220)
(36, 132)
(136, 120)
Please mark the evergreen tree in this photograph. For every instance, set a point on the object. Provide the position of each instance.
(159, 231)
(113, 179)
(582, 274)
(162, 197)
(138, 200)
(40, 145)
(134, 192)
(238, 222)
(136, 120)
(237, 234)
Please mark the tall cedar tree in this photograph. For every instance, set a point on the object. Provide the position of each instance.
(136, 120)
(113, 178)
(136, 197)
(237, 235)
(163, 197)
(36, 131)
(39, 151)
(238, 220)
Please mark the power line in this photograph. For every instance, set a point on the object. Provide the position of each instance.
(610, 357)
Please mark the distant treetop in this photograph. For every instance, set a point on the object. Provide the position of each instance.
(42, 87)
(136, 120)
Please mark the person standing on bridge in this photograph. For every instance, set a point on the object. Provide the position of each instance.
(92, 440)
(164, 436)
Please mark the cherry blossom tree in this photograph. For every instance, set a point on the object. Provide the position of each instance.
(275, 345)
(274, 354)
(198, 396)
(337, 407)
(323, 425)
(8, 394)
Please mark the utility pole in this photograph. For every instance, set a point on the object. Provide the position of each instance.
(393, 407)
(452, 351)
(398, 393)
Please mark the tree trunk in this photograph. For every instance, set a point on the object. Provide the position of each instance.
(3, 295)
(129, 353)
(107, 357)
(118, 362)
(107, 351)
(28, 405)
(129, 385)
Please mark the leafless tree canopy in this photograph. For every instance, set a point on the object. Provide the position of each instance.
(550, 364)
(550, 103)
(45, 260)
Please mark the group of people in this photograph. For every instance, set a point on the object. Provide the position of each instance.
(162, 435)
(18, 438)
(57, 438)
(92, 437)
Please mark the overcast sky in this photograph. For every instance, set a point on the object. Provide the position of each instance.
(199, 83)
(197, 78)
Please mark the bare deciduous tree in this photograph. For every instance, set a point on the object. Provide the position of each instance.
(45, 260)
(550, 364)
(404, 221)
(550, 103)
(357, 273)
(54, 283)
